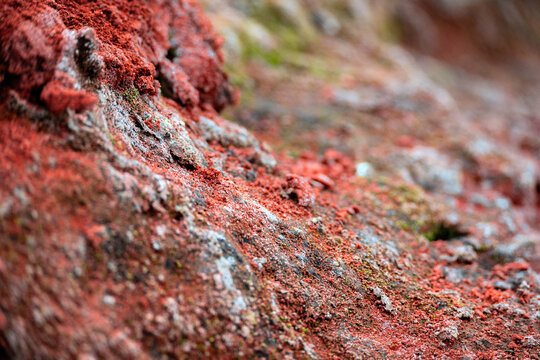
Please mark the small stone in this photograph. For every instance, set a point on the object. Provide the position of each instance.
(364, 170)
(502, 285)
(109, 300)
(531, 342)
(299, 189)
(323, 180)
(156, 246)
(260, 262)
(502, 203)
(384, 299)
(465, 253)
(161, 230)
(78, 271)
(464, 313)
(448, 333)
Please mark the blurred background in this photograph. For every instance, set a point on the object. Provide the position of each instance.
(442, 94)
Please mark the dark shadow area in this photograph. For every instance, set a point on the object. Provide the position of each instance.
(442, 231)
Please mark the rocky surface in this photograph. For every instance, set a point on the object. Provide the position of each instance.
(363, 200)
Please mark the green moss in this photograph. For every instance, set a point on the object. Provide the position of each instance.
(291, 37)
(252, 50)
(132, 96)
(404, 194)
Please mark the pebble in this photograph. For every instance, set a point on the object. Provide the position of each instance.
(260, 262)
(531, 342)
(300, 187)
(384, 299)
(323, 180)
(448, 333)
(109, 300)
(464, 313)
(502, 285)
(364, 170)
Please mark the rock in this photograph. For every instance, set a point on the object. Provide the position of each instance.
(531, 342)
(125, 346)
(433, 171)
(464, 253)
(260, 262)
(502, 168)
(109, 300)
(448, 333)
(364, 170)
(502, 285)
(59, 95)
(323, 180)
(176, 84)
(299, 189)
(464, 313)
(386, 302)
(521, 246)
(159, 229)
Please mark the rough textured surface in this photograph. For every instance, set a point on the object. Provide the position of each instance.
(396, 218)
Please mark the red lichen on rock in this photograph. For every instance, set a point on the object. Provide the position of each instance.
(59, 95)
(132, 39)
(175, 234)
(30, 44)
(176, 82)
(299, 189)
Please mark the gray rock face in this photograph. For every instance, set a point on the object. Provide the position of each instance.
(432, 170)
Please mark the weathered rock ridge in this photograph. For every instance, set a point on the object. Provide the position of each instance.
(137, 222)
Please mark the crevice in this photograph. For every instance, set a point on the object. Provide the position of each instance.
(443, 231)
(89, 64)
(537, 189)
(171, 53)
(182, 162)
(166, 88)
(5, 354)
